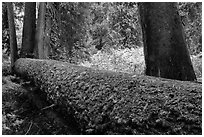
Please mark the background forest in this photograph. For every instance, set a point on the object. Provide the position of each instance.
(101, 35)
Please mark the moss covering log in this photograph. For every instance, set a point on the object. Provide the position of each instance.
(106, 102)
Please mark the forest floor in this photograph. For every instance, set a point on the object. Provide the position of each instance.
(21, 117)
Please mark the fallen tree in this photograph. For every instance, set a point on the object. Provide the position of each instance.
(106, 102)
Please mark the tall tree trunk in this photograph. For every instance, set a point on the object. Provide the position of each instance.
(12, 35)
(47, 34)
(166, 54)
(28, 40)
(40, 30)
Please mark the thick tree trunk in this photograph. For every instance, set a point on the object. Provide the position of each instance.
(12, 35)
(40, 30)
(166, 54)
(105, 102)
(29, 25)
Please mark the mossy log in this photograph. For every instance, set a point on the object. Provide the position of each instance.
(37, 99)
(106, 102)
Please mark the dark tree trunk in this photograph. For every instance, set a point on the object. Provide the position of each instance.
(12, 35)
(166, 54)
(4, 16)
(28, 40)
(40, 30)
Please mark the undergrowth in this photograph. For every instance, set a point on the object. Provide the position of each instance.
(130, 61)
(124, 60)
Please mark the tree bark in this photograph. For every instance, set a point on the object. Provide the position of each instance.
(12, 35)
(166, 54)
(47, 34)
(106, 102)
(29, 25)
(40, 30)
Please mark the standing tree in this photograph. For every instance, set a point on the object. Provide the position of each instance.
(28, 40)
(48, 27)
(166, 54)
(39, 37)
(12, 35)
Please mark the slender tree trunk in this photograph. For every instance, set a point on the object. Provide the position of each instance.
(166, 53)
(12, 35)
(47, 38)
(28, 40)
(40, 30)
(47, 34)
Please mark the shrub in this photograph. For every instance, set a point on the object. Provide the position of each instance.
(119, 60)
